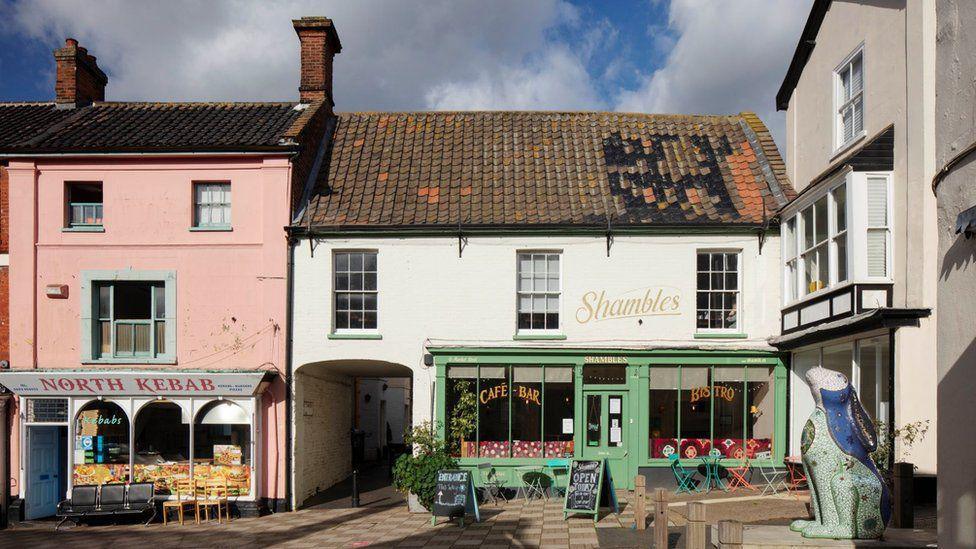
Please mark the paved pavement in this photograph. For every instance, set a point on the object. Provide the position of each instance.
(514, 524)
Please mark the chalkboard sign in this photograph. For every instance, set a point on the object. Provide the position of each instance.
(455, 496)
(590, 487)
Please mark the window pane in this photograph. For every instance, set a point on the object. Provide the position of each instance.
(369, 281)
(732, 281)
(605, 373)
(102, 435)
(142, 338)
(789, 239)
(559, 402)
(369, 320)
(162, 446)
(718, 281)
(718, 262)
(615, 407)
(160, 337)
(462, 410)
(104, 302)
(539, 264)
(133, 301)
(839, 358)
(493, 412)
(105, 346)
(370, 261)
(159, 298)
(342, 281)
(820, 219)
(873, 364)
(856, 76)
(845, 84)
(791, 281)
(123, 339)
(840, 208)
(695, 412)
(525, 264)
(356, 262)
(823, 274)
(663, 424)
(841, 257)
(847, 124)
(341, 262)
(341, 320)
(553, 265)
(806, 219)
(703, 281)
(525, 284)
(703, 262)
(877, 189)
(594, 410)
(527, 412)
(877, 252)
(356, 281)
(727, 392)
(761, 412)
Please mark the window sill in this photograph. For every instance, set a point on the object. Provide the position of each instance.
(130, 360)
(354, 336)
(213, 229)
(843, 148)
(721, 335)
(87, 229)
(539, 337)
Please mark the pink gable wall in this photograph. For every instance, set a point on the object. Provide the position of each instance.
(230, 286)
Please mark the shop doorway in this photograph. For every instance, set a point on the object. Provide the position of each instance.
(45, 470)
(607, 430)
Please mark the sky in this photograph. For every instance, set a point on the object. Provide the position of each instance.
(659, 56)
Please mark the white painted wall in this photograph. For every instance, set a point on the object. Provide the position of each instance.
(428, 294)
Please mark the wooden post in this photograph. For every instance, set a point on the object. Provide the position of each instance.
(640, 503)
(660, 518)
(696, 525)
(729, 534)
(903, 479)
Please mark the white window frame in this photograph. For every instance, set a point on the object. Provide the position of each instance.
(519, 293)
(197, 205)
(739, 328)
(841, 104)
(335, 291)
(886, 228)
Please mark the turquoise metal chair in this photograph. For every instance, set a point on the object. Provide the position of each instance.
(684, 477)
(556, 466)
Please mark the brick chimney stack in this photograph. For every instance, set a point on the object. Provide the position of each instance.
(79, 80)
(319, 44)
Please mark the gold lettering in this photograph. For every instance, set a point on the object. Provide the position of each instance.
(587, 297)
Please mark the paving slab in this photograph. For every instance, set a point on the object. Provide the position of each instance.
(781, 537)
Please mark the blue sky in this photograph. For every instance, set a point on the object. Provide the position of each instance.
(691, 56)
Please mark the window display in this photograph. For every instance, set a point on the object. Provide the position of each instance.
(101, 445)
(663, 425)
(162, 445)
(526, 412)
(222, 446)
(559, 402)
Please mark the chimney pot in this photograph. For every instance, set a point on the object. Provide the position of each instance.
(79, 80)
(319, 44)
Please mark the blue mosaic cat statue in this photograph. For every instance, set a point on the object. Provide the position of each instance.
(849, 498)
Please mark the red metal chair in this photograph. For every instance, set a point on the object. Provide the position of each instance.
(737, 476)
(798, 478)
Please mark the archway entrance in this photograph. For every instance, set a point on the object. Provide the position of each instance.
(349, 414)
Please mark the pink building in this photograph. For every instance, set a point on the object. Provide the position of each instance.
(148, 283)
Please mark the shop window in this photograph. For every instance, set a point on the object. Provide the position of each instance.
(728, 401)
(605, 374)
(47, 410)
(462, 411)
(526, 412)
(760, 411)
(840, 358)
(559, 400)
(538, 291)
(872, 361)
(718, 291)
(222, 446)
(84, 205)
(211, 205)
(355, 291)
(162, 445)
(695, 408)
(663, 403)
(131, 319)
(493, 412)
(101, 444)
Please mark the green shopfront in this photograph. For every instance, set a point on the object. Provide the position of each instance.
(518, 407)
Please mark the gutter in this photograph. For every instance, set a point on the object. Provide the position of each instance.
(406, 231)
(134, 154)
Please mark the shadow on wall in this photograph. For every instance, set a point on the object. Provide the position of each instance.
(957, 457)
(960, 256)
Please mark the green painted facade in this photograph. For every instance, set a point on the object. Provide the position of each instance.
(640, 364)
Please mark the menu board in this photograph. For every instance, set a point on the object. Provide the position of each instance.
(455, 496)
(590, 487)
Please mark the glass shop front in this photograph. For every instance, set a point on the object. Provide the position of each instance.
(518, 409)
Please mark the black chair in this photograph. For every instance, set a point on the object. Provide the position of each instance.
(140, 499)
(111, 498)
(82, 502)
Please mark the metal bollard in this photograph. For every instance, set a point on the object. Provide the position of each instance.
(355, 488)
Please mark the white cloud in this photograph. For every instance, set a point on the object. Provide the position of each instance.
(722, 57)
(729, 57)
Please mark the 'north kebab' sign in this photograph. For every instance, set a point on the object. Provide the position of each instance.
(149, 383)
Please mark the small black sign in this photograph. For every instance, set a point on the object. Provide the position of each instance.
(590, 487)
(455, 495)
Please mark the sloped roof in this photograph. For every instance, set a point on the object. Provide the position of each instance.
(546, 168)
(152, 127)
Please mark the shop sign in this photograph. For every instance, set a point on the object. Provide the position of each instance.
(604, 360)
(720, 391)
(39, 383)
(528, 394)
(650, 301)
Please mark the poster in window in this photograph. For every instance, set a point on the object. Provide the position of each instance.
(567, 425)
(226, 454)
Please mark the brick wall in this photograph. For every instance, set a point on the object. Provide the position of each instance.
(310, 139)
(323, 417)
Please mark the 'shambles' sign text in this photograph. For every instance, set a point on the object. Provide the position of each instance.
(651, 301)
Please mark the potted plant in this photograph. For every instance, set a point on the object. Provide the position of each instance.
(464, 417)
(415, 472)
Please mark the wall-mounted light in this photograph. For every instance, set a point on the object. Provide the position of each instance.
(56, 291)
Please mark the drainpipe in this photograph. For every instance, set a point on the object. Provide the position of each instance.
(289, 308)
(4, 459)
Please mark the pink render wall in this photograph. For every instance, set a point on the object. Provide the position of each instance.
(230, 286)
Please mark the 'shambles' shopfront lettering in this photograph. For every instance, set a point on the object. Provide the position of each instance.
(653, 301)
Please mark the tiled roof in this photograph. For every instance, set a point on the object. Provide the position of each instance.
(122, 127)
(23, 121)
(547, 168)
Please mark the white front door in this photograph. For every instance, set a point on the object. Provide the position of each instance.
(43, 475)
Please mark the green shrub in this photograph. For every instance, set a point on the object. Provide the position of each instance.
(416, 472)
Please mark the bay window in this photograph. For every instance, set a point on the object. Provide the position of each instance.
(842, 234)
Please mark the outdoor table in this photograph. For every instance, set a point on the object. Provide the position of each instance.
(711, 473)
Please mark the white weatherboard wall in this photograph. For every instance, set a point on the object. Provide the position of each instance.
(427, 294)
